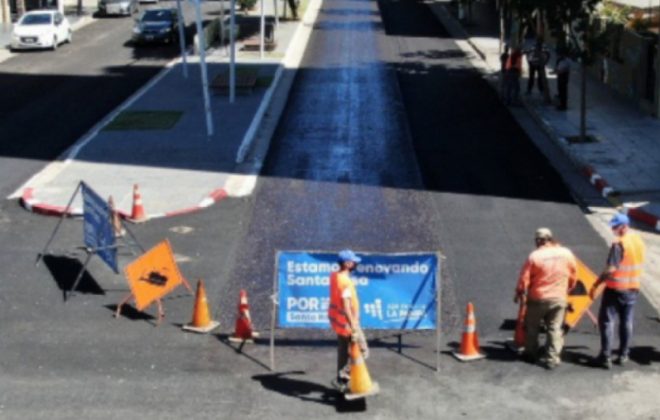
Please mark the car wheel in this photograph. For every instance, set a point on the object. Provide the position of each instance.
(54, 46)
(69, 38)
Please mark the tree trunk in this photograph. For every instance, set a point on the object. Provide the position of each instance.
(20, 7)
(583, 100)
(540, 33)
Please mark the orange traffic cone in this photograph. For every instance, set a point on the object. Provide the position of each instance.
(201, 319)
(518, 343)
(137, 213)
(360, 385)
(243, 333)
(470, 341)
(116, 222)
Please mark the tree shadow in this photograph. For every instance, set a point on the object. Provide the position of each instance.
(308, 391)
(65, 270)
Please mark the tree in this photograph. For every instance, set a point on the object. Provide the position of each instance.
(571, 22)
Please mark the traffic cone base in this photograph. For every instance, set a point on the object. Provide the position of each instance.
(468, 358)
(236, 339)
(202, 330)
(375, 389)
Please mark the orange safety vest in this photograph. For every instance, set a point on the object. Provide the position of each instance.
(336, 312)
(626, 276)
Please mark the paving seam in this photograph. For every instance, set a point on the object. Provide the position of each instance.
(603, 187)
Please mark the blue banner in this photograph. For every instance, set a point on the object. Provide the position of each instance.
(396, 291)
(97, 227)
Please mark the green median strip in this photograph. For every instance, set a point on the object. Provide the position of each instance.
(144, 120)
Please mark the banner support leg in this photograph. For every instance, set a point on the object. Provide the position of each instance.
(80, 274)
(57, 228)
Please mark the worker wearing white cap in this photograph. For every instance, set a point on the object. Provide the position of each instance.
(547, 276)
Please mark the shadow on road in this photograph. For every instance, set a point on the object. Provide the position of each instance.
(308, 391)
(65, 270)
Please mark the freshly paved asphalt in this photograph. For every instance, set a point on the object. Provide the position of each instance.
(451, 190)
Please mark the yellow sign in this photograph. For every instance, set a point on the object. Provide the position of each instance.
(153, 275)
(578, 299)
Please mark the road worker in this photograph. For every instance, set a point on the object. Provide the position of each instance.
(548, 274)
(622, 282)
(344, 314)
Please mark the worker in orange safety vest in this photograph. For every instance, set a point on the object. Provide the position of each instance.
(547, 276)
(344, 314)
(622, 282)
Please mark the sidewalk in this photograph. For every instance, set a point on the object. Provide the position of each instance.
(178, 167)
(623, 164)
(625, 155)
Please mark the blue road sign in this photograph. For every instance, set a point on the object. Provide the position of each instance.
(396, 291)
(98, 231)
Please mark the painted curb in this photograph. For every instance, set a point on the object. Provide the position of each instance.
(35, 206)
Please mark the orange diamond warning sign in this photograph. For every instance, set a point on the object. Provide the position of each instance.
(153, 275)
(578, 299)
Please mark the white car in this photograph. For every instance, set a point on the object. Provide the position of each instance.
(40, 29)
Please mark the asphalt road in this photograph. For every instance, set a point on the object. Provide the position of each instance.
(50, 99)
(466, 181)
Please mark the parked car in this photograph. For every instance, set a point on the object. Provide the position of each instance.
(117, 7)
(156, 25)
(40, 29)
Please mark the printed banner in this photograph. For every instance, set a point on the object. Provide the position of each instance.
(396, 291)
(97, 227)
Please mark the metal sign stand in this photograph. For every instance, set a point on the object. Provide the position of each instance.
(130, 245)
(275, 298)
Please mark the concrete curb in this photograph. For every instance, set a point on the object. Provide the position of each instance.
(600, 183)
(35, 206)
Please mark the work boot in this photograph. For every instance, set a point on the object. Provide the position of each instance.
(622, 360)
(340, 385)
(604, 362)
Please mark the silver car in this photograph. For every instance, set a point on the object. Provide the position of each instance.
(117, 7)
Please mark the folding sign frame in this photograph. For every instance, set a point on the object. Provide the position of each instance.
(89, 249)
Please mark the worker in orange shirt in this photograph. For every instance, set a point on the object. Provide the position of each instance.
(547, 276)
(344, 315)
(622, 282)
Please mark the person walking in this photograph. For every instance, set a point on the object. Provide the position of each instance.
(513, 69)
(537, 58)
(622, 282)
(504, 58)
(563, 71)
(344, 315)
(547, 276)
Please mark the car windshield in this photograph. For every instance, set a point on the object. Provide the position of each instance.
(37, 19)
(116, 1)
(157, 16)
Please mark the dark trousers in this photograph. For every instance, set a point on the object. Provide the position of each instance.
(343, 365)
(562, 89)
(616, 303)
(293, 5)
(534, 72)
